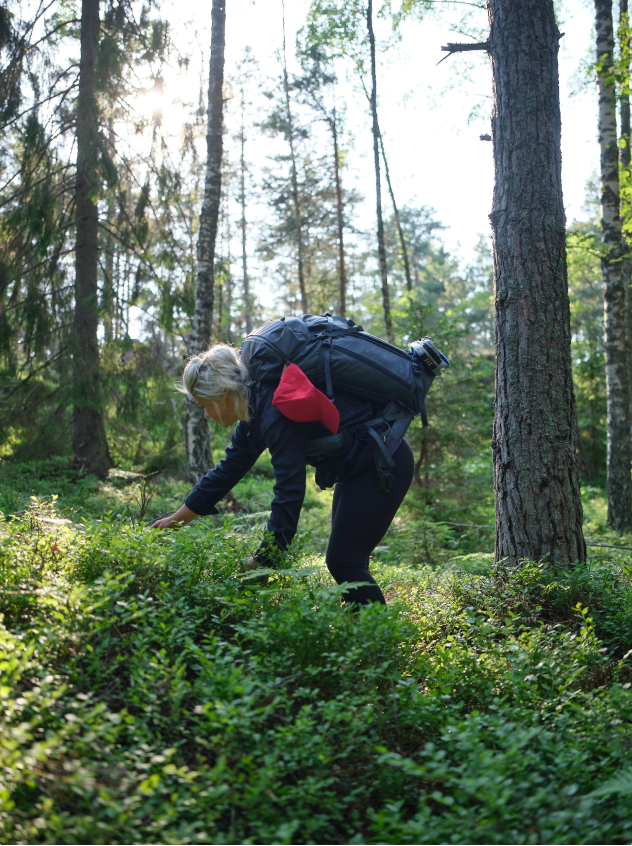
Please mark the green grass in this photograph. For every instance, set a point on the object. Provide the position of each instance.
(153, 692)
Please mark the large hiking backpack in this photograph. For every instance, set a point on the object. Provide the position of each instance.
(335, 354)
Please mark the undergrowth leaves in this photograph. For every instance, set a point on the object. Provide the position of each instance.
(152, 692)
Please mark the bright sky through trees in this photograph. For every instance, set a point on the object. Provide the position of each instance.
(435, 154)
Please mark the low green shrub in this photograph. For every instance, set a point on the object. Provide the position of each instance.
(154, 691)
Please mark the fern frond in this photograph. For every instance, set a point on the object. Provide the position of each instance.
(620, 783)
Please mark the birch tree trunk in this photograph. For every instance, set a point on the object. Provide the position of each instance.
(617, 368)
(89, 440)
(537, 493)
(626, 205)
(197, 438)
(381, 250)
(342, 273)
(242, 224)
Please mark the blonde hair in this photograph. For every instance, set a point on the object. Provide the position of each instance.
(216, 373)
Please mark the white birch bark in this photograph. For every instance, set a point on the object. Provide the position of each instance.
(197, 437)
(617, 367)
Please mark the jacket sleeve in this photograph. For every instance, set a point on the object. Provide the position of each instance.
(287, 442)
(240, 456)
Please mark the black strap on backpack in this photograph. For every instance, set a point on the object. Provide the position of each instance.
(383, 463)
(327, 342)
(327, 334)
(398, 420)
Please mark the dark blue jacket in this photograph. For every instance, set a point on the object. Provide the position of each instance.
(287, 442)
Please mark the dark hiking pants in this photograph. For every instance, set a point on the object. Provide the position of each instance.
(360, 515)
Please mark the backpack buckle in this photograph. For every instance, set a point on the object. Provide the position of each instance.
(385, 480)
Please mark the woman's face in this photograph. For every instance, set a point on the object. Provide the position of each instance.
(222, 411)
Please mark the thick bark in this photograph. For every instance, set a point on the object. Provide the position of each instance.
(298, 220)
(537, 493)
(626, 210)
(617, 370)
(198, 443)
(242, 223)
(342, 273)
(381, 250)
(398, 223)
(89, 441)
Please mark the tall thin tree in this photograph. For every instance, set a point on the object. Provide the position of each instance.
(298, 220)
(197, 438)
(617, 365)
(398, 222)
(340, 221)
(89, 440)
(242, 222)
(107, 296)
(626, 174)
(381, 249)
(315, 79)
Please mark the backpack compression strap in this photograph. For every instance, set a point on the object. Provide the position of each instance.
(384, 462)
(326, 336)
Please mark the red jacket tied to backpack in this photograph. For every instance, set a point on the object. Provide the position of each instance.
(299, 400)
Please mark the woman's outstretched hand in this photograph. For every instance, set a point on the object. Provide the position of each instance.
(181, 518)
(167, 523)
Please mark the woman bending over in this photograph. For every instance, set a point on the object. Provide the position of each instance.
(362, 509)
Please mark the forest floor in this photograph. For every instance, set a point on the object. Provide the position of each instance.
(425, 531)
(154, 691)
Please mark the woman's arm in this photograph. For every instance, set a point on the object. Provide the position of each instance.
(182, 517)
(287, 442)
(240, 457)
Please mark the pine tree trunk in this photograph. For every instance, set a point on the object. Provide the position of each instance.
(617, 369)
(398, 222)
(197, 437)
(342, 274)
(538, 505)
(89, 440)
(244, 253)
(626, 209)
(298, 221)
(381, 250)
